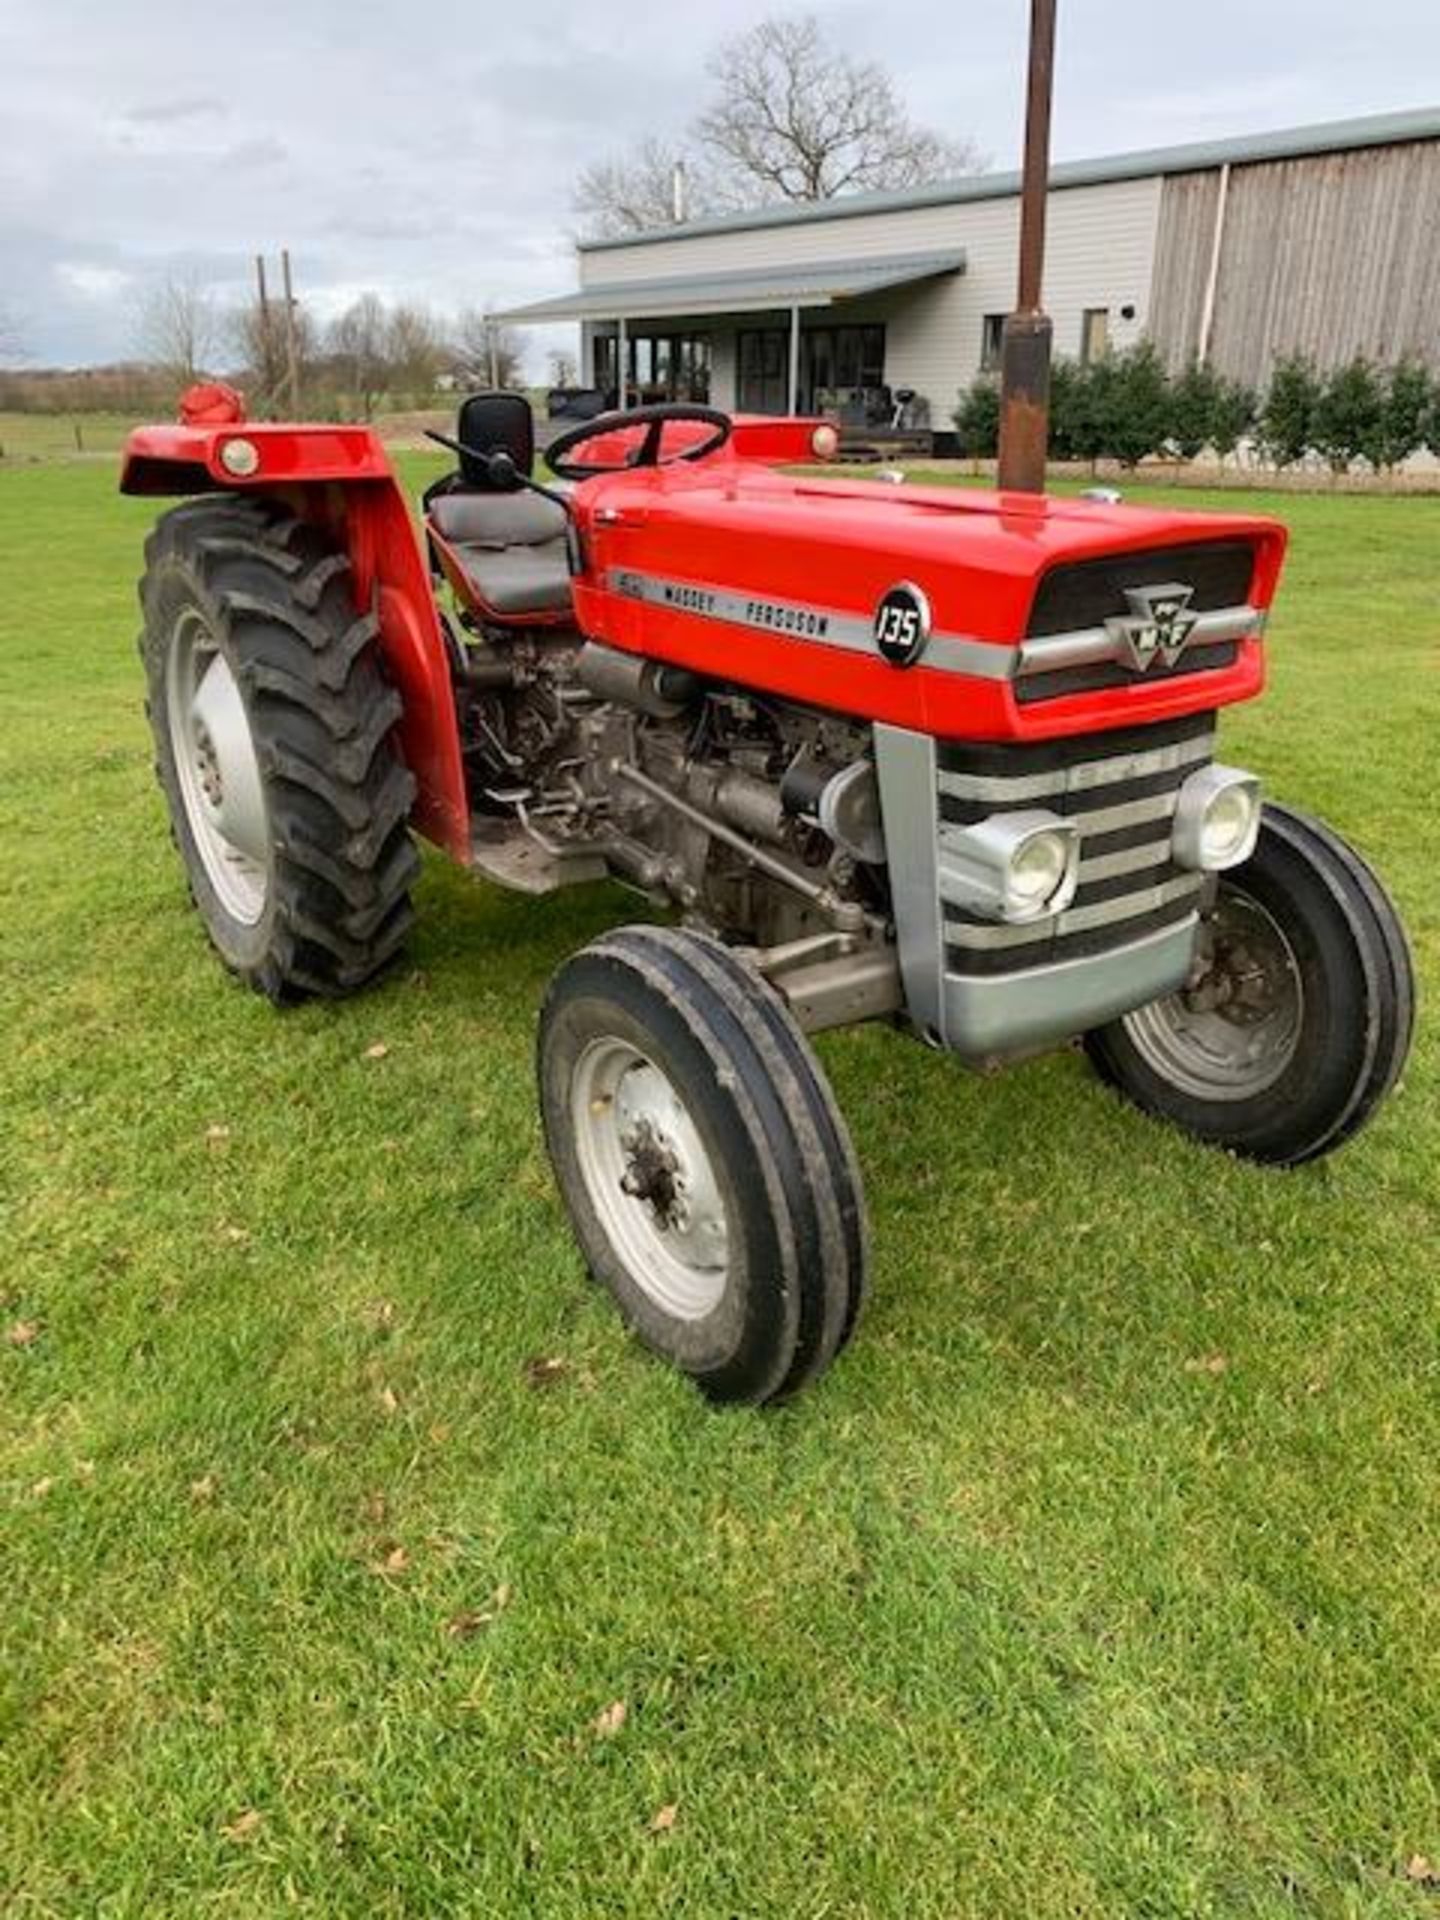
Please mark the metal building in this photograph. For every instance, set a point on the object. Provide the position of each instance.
(1322, 239)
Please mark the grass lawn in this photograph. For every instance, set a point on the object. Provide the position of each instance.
(1099, 1578)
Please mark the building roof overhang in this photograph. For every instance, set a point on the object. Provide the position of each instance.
(743, 290)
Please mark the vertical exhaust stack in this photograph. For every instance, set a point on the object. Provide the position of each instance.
(1026, 342)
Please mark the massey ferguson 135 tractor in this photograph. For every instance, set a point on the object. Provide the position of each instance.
(939, 757)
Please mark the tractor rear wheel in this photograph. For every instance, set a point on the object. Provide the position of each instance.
(707, 1172)
(1299, 1020)
(274, 746)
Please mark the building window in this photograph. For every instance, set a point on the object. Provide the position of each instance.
(992, 341)
(658, 368)
(763, 372)
(842, 372)
(1094, 335)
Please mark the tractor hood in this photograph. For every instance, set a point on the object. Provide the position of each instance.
(1036, 610)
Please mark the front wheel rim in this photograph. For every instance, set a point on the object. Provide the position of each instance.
(217, 769)
(1232, 1033)
(650, 1179)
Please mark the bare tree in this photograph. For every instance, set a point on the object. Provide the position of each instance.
(793, 118)
(486, 353)
(258, 340)
(358, 338)
(178, 329)
(637, 192)
(796, 119)
(414, 350)
(564, 371)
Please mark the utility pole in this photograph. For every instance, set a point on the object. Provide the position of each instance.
(1025, 352)
(267, 352)
(492, 347)
(292, 350)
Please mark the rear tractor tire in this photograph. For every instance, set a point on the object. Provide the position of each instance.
(707, 1172)
(1300, 1019)
(274, 747)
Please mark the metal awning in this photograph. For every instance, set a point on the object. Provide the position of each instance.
(751, 290)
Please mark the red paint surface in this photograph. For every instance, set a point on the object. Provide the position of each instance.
(840, 543)
(341, 478)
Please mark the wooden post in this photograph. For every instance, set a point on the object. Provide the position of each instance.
(1026, 343)
(267, 351)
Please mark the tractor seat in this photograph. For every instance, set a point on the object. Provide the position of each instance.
(510, 547)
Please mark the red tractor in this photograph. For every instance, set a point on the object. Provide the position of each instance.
(934, 756)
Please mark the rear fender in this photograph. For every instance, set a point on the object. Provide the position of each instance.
(340, 478)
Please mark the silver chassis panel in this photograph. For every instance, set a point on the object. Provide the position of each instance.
(996, 1017)
(989, 1018)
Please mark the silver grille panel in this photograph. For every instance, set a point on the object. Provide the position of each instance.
(989, 989)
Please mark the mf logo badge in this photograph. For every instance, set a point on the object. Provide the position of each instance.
(902, 625)
(1157, 626)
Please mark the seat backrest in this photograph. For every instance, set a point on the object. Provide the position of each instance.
(497, 520)
(491, 421)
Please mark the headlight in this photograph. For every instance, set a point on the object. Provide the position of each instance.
(1217, 819)
(825, 441)
(1016, 867)
(240, 457)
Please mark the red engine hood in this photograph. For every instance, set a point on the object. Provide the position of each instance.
(733, 528)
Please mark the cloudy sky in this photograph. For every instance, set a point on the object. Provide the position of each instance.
(427, 150)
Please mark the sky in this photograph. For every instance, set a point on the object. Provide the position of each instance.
(428, 150)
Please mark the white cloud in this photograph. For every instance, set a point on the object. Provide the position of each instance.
(92, 282)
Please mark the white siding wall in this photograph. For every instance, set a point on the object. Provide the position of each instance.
(1100, 251)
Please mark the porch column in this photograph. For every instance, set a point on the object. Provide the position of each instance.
(621, 369)
(794, 405)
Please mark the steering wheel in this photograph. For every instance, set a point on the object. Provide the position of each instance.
(647, 454)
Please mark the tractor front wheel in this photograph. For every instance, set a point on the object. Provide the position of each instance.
(274, 746)
(707, 1172)
(1299, 1017)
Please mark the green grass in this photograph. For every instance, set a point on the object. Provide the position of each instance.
(1099, 1578)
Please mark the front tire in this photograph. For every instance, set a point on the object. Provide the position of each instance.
(274, 746)
(1300, 1019)
(707, 1172)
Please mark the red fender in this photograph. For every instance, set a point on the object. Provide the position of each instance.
(339, 477)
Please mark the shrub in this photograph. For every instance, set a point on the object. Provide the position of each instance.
(1194, 401)
(1233, 414)
(1347, 418)
(1407, 415)
(1288, 415)
(1066, 380)
(1136, 404)
(977, 419)
(1091, 410)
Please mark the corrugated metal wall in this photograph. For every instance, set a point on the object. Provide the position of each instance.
(1330, 255)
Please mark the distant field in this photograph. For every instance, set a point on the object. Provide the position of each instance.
(28, 437)
(1098, 1581)
(53, 436)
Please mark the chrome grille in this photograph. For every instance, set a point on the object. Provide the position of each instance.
(1084, 593)
(1066, 650)
(1120, 788)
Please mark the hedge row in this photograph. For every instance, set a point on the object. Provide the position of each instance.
(1126, 407)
